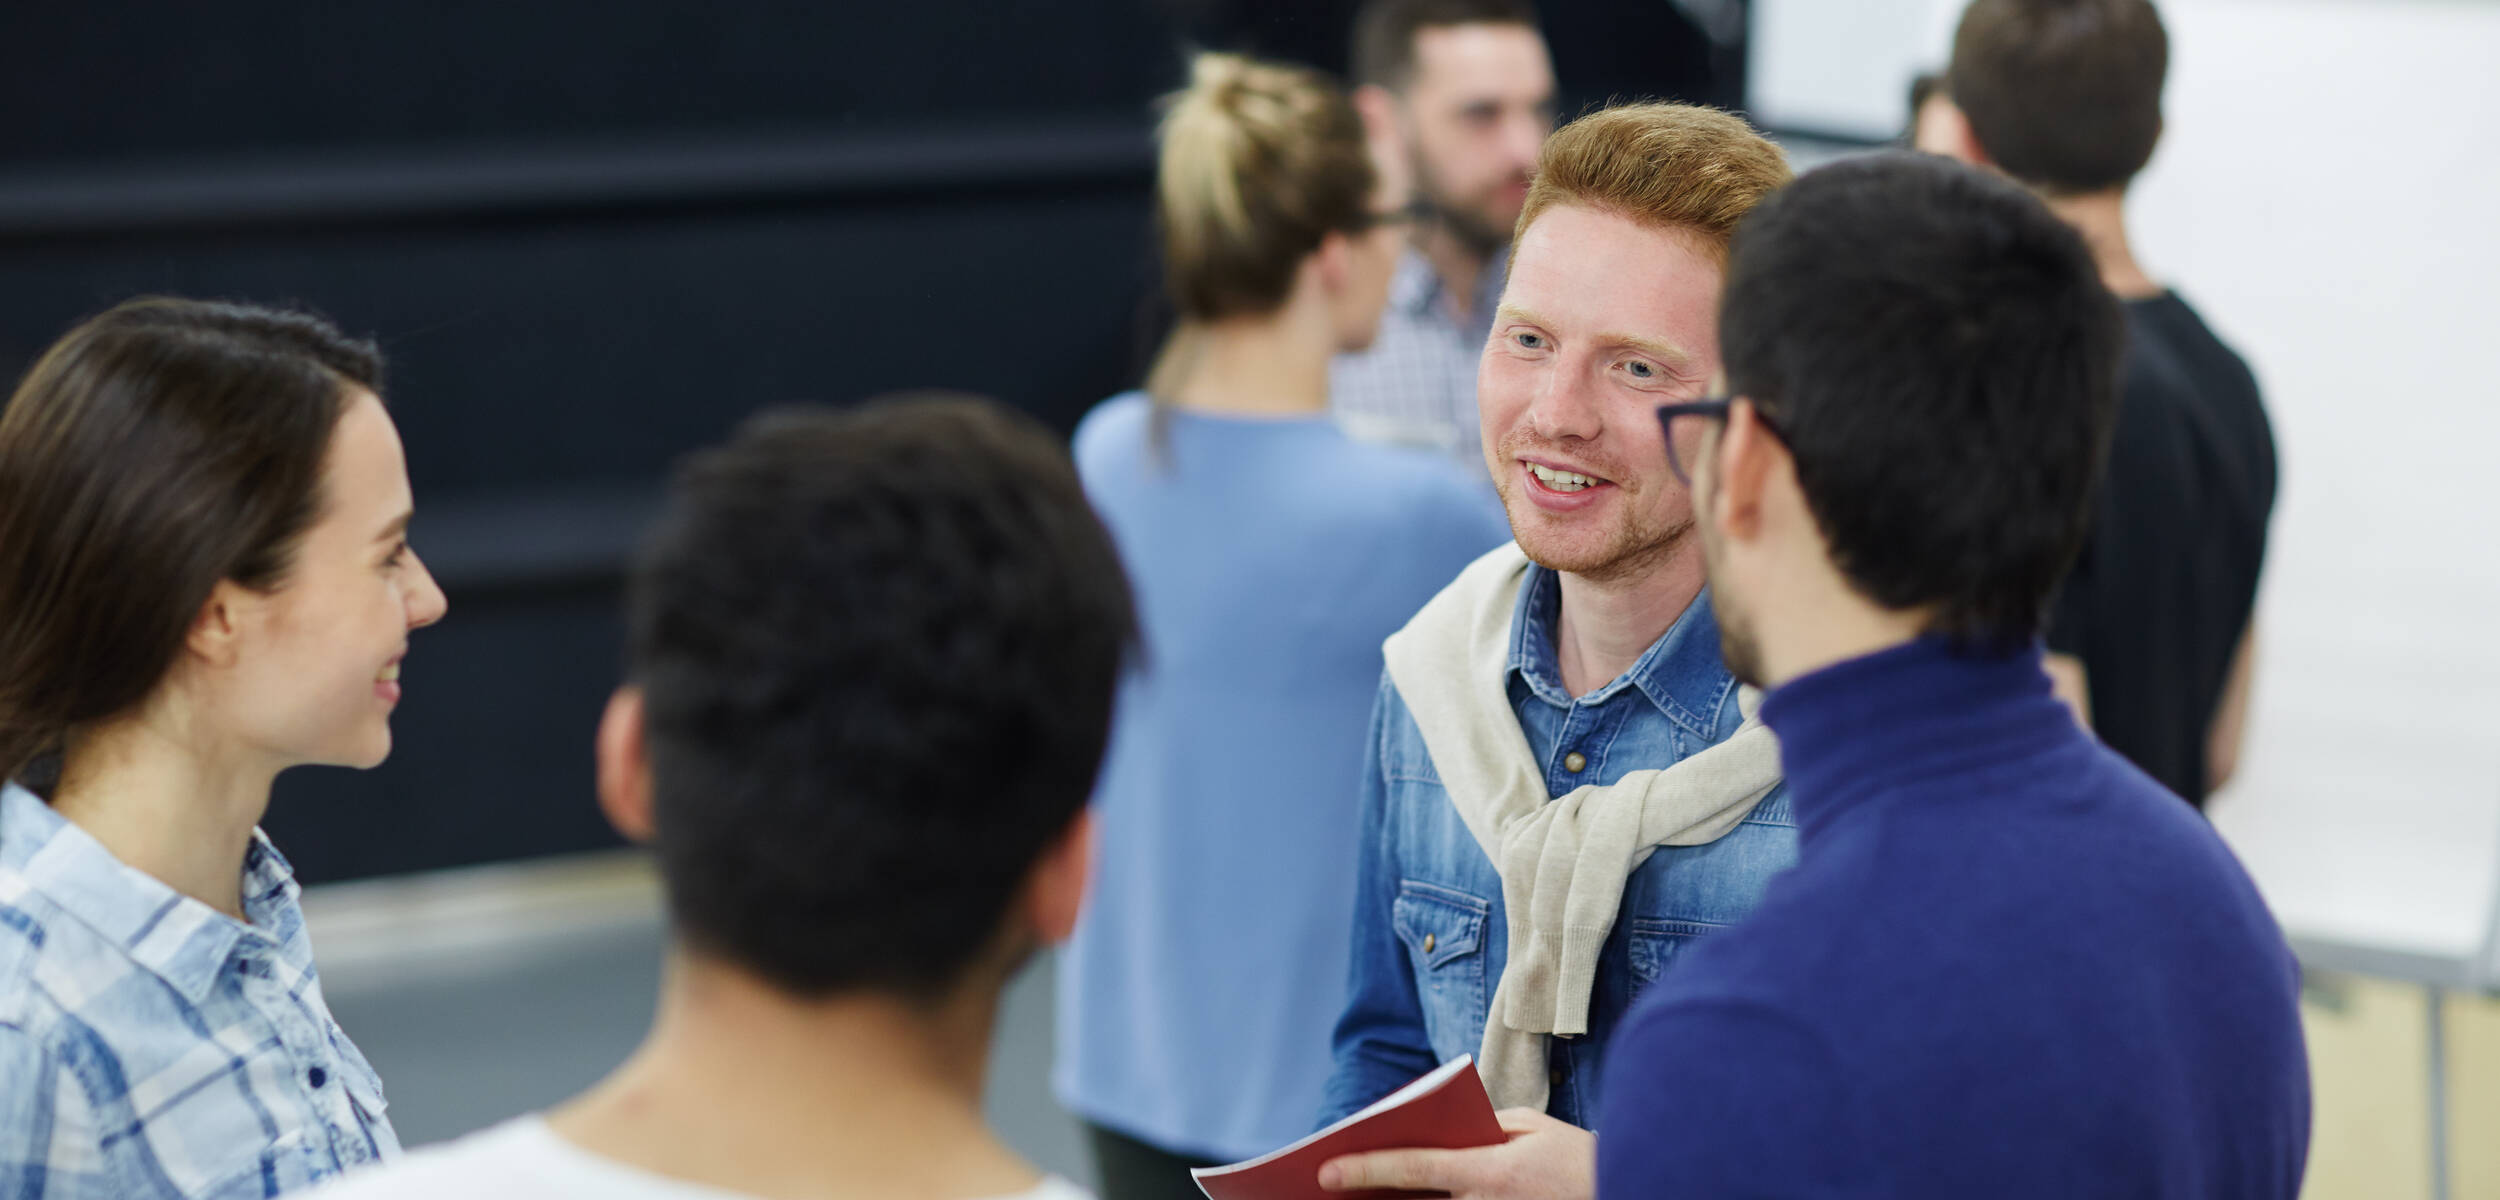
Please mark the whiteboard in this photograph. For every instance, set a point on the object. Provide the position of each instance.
(2328, 195)
(2329, 192)
(1842, 67)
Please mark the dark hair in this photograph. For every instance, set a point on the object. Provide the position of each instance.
(2064, 95)
(1384, 32)
(1942, 358)
(878, 649)
(157, 448)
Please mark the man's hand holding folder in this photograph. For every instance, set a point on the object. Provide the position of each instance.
(1541, 1161)
(1544, 1159)
(1436, 1136)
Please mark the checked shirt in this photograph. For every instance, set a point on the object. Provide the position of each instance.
(152, 1048)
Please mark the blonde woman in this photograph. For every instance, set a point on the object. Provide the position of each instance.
(1270, 556)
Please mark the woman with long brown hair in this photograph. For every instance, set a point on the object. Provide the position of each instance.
(205, 579)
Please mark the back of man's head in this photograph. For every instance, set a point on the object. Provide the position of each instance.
(1664, 166)
(1940, 358)
(2064, 95)
(1384, 32)
(877, 650)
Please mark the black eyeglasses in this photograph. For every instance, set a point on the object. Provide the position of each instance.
(1413, 213)
(1714, 408)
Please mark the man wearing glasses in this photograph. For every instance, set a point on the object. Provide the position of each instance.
(2007, 962)
(1565, 789)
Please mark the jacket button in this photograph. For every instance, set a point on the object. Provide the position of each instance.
(1427, 943)
(1575, 761)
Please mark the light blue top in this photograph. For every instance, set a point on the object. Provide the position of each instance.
(1270, 558)
(153, 1048)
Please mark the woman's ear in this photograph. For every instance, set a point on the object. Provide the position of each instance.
(1334, 260)
(216, 633)
(624, 766)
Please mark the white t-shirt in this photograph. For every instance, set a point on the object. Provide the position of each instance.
(523, 1158)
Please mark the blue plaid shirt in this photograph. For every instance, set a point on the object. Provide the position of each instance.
(152, 1048)
(1416, 384)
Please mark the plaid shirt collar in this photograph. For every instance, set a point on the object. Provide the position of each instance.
(1416, 288)
(179, 939)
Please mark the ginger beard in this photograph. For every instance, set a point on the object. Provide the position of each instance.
(1627, 541)
(1603, 320)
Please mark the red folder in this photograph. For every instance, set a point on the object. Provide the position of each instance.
(1445, 1110)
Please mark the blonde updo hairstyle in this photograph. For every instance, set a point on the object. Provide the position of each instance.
(1260, 163)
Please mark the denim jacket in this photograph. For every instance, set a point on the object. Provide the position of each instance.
(1430, 937)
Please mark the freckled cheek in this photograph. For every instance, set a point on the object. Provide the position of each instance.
(1503, 388)
(1641, 449)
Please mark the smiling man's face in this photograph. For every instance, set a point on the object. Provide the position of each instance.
(1602, 321)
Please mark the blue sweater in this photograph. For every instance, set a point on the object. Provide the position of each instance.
(2007, 963)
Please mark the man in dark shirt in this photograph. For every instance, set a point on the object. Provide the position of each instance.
(2007, 962)
(2152, 630)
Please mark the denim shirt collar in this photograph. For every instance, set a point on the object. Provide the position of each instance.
(1681, 673)
(180, 940)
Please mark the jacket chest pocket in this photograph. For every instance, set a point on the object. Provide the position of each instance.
(1655, 943)
(1443, 932)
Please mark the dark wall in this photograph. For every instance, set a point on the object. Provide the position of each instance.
(592, 236)
(121, 78)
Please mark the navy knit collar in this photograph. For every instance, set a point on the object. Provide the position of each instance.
(1917, 710)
